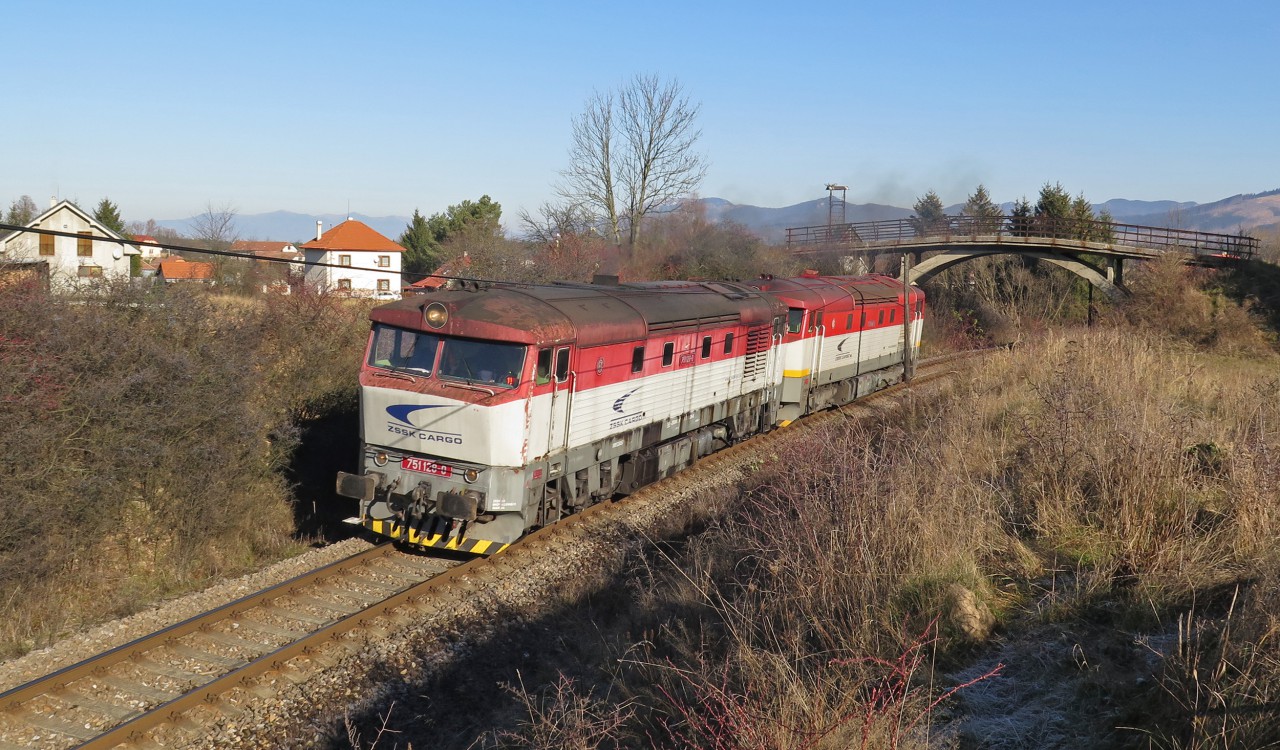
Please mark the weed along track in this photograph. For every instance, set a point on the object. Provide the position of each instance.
(185, 684)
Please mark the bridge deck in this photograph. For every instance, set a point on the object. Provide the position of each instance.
(1012, 232)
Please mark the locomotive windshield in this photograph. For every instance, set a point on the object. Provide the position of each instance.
(398, 349)
(487, 362)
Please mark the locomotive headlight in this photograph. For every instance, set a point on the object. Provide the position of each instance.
(380, 458)
(471, 475)
(437, 315)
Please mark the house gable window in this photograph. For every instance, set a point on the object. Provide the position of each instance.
(344, 260)
(384, 261)
(84, 244)
(46, 244)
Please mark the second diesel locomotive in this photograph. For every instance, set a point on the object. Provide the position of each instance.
(490, 409)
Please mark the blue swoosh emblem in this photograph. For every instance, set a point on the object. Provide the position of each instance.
(402, 411)
(617, 405)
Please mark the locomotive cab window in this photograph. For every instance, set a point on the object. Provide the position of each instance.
(668, 353)
(562, 365)
(706, 347)
(637, 359)
(816, 322)
(542, 373)
(728, 343)
(795, 320)
(398, 349)
(483, 362)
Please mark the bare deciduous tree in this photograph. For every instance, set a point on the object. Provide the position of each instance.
(633, 154)
(216, 227)
(555, 221)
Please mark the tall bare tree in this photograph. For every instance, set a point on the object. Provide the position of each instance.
(216, 227)
(633, 154)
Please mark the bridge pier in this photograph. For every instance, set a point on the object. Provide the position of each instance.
(1115, 271)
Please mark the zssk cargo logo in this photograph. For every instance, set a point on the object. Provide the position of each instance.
(402, 423)
(620, 406)
(841, 354)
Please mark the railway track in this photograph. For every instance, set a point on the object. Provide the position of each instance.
(106, 699)
(156, 689)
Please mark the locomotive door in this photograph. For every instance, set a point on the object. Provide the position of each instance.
(561, 402)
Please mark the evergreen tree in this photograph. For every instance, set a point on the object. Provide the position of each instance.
(930, 216)
(22, 211)
(1020, 218)
(424, 239)
(983, 210)
(422, 252)
(1053, 211)
(1082, 218)
(108, 215)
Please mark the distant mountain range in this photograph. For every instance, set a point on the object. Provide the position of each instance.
(1237, 213)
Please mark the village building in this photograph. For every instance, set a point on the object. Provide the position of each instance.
(280, 267)
(73, 262)
(352, 258)
(150, 248)
(176, 269)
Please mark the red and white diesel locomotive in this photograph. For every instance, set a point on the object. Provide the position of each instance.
(490, 409)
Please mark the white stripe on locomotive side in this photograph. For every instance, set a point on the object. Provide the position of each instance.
(515, 433)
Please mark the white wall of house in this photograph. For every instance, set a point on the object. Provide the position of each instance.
(73, 262)
(365, 273)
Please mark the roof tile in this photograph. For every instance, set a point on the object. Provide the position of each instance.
(353, 235)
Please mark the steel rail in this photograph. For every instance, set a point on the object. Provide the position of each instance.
(55, 681)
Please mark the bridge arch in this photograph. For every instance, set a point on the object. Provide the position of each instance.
(936, 264)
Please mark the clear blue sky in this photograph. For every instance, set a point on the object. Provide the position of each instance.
(388, 107)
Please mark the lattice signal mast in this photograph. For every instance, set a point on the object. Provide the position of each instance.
(835, 204)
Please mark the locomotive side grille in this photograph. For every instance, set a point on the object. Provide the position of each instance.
(757, 359)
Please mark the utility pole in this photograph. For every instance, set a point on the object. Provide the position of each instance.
(908, 361)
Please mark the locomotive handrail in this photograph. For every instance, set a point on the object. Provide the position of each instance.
(916, 231)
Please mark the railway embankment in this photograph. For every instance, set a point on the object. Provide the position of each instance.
(1108, 496)
(157, 443)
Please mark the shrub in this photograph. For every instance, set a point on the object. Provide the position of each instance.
(144, 434)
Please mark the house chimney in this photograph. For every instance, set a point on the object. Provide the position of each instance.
(53, 201)
(319, 228)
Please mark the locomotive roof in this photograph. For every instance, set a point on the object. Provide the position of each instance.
(588, 313)
(812, 291)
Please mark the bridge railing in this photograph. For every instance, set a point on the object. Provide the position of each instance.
(915, 231)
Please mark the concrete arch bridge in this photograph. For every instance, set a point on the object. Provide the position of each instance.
(1093, 250)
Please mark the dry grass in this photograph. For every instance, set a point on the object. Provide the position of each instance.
(1146, 470)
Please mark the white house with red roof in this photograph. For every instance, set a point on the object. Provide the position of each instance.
(150, 247)
(354, 259)
(72, 261)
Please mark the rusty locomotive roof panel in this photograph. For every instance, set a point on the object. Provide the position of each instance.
(588, 314)
(813, 292)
